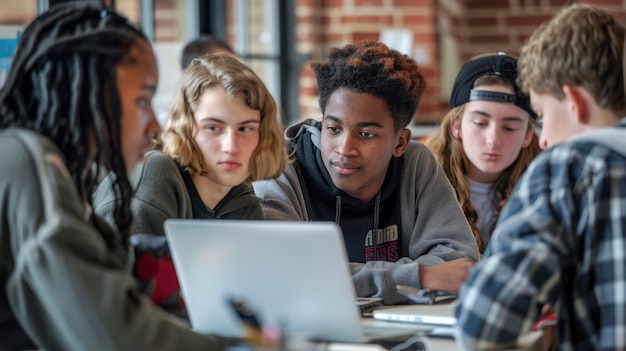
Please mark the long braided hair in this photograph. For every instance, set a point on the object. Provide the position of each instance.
(63, 84)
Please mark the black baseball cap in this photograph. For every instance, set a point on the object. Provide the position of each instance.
(498, 65)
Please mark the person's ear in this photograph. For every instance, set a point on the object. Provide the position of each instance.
(455, 128)
(403, 140)
(577, 103)
(529, 136)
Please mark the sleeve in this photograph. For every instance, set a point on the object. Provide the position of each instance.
(434, 229)
(68, 291)
(522, 271)
(160, 193)
(282, 198)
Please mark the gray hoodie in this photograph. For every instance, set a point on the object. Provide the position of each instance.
(62, 289)
(416, 214)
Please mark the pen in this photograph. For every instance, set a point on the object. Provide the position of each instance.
(255, 333)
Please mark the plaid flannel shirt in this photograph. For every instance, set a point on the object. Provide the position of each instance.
(560, 240)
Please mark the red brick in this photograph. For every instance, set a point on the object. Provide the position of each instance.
(531, 20)
(490, 39)
(331, 3)
(413, 3)
(329, 38)
(306, 19)
(418, 20)
(562, 2)
(368, 2)
(305, 3)
(605, 2)
(482, 21)
(387, 20)
(425, 38)
(530, 3)
(486, 4)
(357, 36)
(308, 91)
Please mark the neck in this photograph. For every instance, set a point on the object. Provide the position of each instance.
(210, 192)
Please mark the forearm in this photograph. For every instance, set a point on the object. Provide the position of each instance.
(379, 278)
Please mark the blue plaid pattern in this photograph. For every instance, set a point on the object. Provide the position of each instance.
(560, 240)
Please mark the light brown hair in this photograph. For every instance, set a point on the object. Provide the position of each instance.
(222, 70)
(581, 46)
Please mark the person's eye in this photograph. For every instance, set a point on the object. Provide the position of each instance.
(247, 128)
(367, 135)
(211, 128)
(479, 123)
(143, 103)
(332, 130)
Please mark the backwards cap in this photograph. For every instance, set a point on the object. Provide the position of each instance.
(497, 65)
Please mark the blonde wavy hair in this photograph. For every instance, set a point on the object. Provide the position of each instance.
(450, 153)
(582, 45)
(221, 70)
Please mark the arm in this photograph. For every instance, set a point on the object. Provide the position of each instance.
(282, 198)
(67, 290)
(535, 239)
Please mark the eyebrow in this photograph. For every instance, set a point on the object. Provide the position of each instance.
(506, 119)
(151, 88)
(214, 119)
(360, 124)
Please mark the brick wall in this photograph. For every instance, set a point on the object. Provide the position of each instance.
(472, 26)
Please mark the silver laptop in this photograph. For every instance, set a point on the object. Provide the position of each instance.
(293, 274)
(438, 316)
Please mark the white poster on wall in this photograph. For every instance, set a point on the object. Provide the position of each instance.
(399, 39)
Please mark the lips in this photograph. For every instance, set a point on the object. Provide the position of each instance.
(491, 156)
(344, 168)
(230, 165)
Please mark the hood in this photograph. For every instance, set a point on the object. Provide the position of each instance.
(304, 139)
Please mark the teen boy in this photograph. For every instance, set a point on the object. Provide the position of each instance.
(358, 167)
(560, 240)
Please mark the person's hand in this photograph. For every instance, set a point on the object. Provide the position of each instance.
(447, 276)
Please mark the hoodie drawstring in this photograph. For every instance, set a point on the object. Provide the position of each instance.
(338, 209)
(375, 230)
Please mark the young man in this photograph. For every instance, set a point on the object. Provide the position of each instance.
(358, 167)
(560, 240)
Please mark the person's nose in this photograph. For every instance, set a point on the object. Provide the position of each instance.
(153, 128)
(543, 141)
(346, 146)
(493, 136)
(229, 141)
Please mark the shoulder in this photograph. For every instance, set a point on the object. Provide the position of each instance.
(158, 167)
(23, 148)
(419, 159)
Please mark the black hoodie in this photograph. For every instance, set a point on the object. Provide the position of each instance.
(358, 220)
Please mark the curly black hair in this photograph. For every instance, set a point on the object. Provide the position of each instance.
(64, 67)
(372, 67)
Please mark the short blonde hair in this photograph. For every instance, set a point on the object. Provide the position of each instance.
(582, 46)
(222, 70)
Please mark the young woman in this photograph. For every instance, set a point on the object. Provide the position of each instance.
(487, 140)
(222, 134)
(78, 95)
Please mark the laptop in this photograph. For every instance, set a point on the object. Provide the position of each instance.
(293, 274)
(439, 316)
